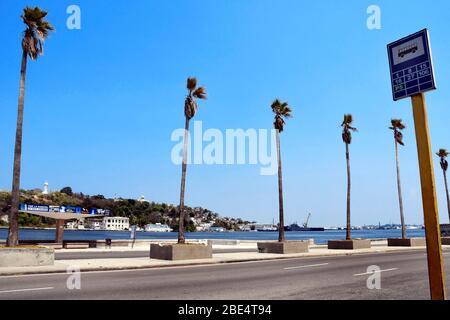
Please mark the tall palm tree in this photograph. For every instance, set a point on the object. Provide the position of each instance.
(190, 108)
(347, 129)
(444, 165)
(37, 30)
(397, 126)
(282, 111)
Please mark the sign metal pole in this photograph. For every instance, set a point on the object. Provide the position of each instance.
(411, 67)
(429, 199)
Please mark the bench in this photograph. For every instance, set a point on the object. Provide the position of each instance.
(79, 244)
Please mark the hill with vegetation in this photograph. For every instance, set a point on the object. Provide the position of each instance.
(140, 212)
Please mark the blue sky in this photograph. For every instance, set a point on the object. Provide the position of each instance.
(102, 102)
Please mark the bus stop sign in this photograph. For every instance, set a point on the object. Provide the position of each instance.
(411, 65)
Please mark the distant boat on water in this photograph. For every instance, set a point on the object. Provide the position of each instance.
(267, 229)
(304, 227)
(297, 228)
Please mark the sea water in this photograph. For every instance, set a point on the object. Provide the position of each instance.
(319, 237)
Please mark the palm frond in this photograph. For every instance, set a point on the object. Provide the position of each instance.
(398, 136)
(43, 29)
(442, 153)
(275, 105)
(190, 107)
(35, 13)
(37, 31)
(397, 127)
(281, 108)
(286, 111)
(397, 124)
(200, 93)
(191, 83)
(347, 128)
(348, 120)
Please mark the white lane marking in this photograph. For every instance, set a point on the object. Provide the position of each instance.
(168, 266)
(370, 273)
(24, 290)
(307, 266)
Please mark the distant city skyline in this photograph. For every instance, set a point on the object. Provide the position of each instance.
(102, 103)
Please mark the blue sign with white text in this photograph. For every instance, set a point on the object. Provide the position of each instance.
(411, 65)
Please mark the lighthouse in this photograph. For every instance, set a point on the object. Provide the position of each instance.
(45, 191)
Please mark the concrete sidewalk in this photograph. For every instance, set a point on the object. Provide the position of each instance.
(146, 248)
(62, 266)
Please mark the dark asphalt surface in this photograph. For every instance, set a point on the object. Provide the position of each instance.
(405, 277)
(124, 254)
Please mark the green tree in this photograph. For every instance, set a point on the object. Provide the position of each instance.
(282, 111)
(37, 30)
(347, 129)
(397, 126)
(443, 154)
(68, 191)
(190, 108)
(191, 227)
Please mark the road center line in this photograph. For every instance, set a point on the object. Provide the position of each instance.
(24, 290)
(307, 266)
(370, 273)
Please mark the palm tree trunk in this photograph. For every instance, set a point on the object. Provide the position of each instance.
(446, 190)
(181, 237)
(13, 233)
(349, 226)
(400, 197)
(281, 236)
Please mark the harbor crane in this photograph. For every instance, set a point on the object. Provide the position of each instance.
(306, 223)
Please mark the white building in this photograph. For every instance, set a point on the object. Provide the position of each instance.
(203, 227)
(142, 199)
(116, 223)
(158, 227)
(75, 225)
(71, 225)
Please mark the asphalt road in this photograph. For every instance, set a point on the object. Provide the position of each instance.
(125, 254)
(403, 276)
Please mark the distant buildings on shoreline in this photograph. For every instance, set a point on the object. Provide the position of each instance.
(380, 227)
(157, 227)
(107, 223)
